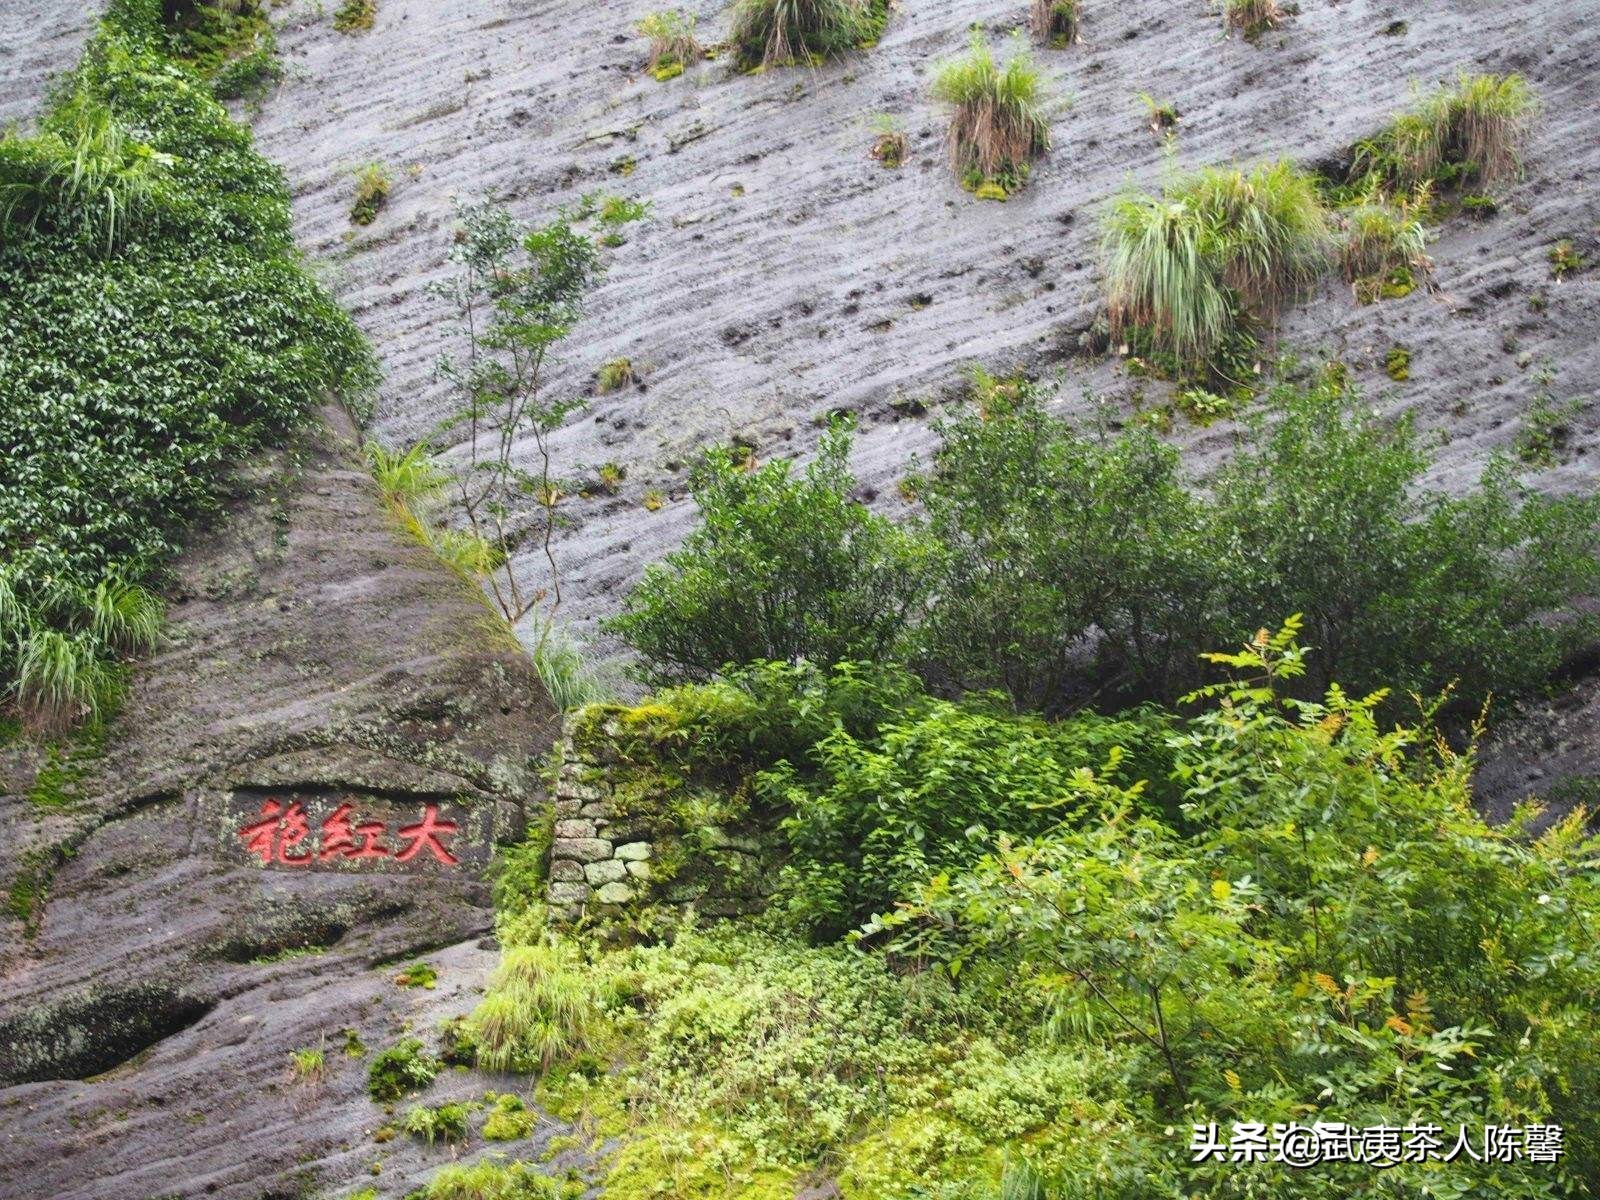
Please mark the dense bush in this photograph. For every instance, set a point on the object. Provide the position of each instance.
(782, 566)
(157, 323)
(1326, 932)
(1057, 564)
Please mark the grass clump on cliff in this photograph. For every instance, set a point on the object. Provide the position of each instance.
(402, 1068)
(997, 123)
(1218, 248)
(774, 33)
(1252, 17)
(371, 193)
(355, 16)
(159, 325)
(539, 1008)
(1054, 22)
(1468, 133)
(673, 46)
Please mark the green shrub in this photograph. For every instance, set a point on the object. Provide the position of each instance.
(773, 33)
(1470, 133)
(997, 124)
(509, 1119)
(163, 326)
(1039, 534)
(372, 193)
(402, 1068)
(782, 566)
(673, 46)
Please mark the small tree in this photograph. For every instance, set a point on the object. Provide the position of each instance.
(783, 566)
(517, 293)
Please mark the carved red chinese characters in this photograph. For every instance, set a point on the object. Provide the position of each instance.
(281, 835)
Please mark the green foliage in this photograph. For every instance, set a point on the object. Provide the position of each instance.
(419, 975)
(1055, 562)
(516, 295)
(538, 1010)
(889, 140)
(402, 1068)
(372, 193)
(443, 1122)
(569, 675)
(673, 45)
(1467, 134)
(490, 1180)
(509, 1119)
(1564, 260)
(776, 33)
(781, 566)
(158, 325)
(1397, 364)
(1382, 237)
(1182, 269)
(997, 123)
(355, 16)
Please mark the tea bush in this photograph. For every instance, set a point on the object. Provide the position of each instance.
(158, 324)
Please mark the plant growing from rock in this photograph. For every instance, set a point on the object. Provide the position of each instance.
(773, 33)
(1470, 133)
(1252, 17)
(444, 1122)
(1218, 247)
(888, 140)
(1162, 116)
(997, 123)
(540, 1008)
(403, 1067)
(1054, 22)
(355, 16)
(614, 376)
(306, 1065)
(1384, 240)
(1565, 260)
(372, 193)
(673, 46)
(516, 295)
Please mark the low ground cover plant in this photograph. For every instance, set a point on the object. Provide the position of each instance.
(673, 45)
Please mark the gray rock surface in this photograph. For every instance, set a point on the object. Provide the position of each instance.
(786, 275)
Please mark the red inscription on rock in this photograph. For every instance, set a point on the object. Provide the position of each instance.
(281, 835)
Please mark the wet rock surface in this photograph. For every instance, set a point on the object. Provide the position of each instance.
(156, 974)
(786, 275)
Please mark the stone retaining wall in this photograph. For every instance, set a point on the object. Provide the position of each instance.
(608, 858)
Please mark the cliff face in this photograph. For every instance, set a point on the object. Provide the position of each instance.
(159, 972)
(786, 275)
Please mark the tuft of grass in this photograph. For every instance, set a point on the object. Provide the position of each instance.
(673, 46)
(412, 485)
(539, 1009)
(1380, 237)
(306, 1065)
(85, 173)
(372, 193)
(61, 680)
(1252, 17)
(445, 1122)
(567, 673)
(888, 141)
(1565, 260)
(1468, 133)
(509, 1119)
(1217, 245)
(419, 975)
(355, 16)
(1054, 22)
(773, 33)
(997, 123)
(1397, 364)
(614, 375)
(1161, 115)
